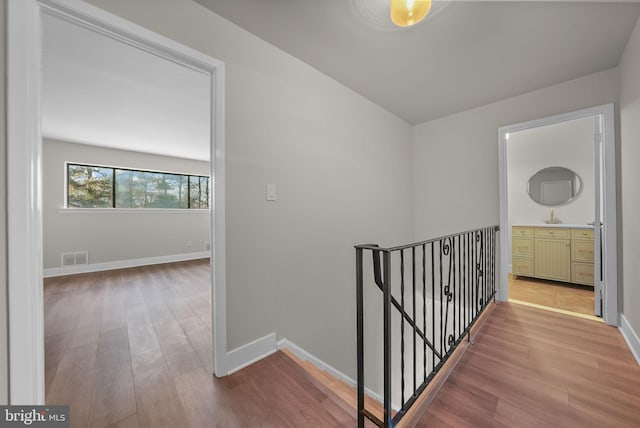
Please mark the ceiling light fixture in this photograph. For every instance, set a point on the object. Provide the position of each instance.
(405, 13)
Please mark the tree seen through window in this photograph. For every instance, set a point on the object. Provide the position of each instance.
(93, 187)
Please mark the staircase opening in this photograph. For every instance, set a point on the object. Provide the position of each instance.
(432, 292)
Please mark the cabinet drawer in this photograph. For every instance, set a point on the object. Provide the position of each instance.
(522, 231)
(551, 232)
(582, 273)
(582, 233)
(522, 266)
(522, 247)
(582, 251)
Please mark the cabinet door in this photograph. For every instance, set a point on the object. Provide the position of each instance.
(582, 251)
(522, 247)
(553, 259)
(522, 266)
(582, 273)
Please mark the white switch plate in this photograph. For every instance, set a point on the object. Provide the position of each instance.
(271, 192)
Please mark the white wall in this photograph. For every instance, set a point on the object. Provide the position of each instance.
(456, 157)
(630, 177)
(116, 235)
(4, 391)
(568, 144)
(340, 164)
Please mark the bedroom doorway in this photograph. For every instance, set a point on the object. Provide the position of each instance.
(24, 159)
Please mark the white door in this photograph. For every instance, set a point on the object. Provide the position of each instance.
(598, 282)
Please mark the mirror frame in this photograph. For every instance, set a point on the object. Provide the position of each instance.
(575, 194)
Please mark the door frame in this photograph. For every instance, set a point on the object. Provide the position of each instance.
(24, 196)
(611, 314)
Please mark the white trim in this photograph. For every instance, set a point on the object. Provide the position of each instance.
(123, 264)
(24, 210)
(307, 356)
(250, 353)
(631, 336)
(611, 314)
(24, 146)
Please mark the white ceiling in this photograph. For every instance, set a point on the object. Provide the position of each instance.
(102, 92)
(465, 55)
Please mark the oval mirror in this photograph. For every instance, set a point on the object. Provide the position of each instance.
(554, 186)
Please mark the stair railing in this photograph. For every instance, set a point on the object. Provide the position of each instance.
(432, 293)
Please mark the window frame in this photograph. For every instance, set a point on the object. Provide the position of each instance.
(114, 170)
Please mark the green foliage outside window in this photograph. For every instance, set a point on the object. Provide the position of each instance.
(90, 186)
(93, 187)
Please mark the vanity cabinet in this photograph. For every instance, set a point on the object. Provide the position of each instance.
(555, 253)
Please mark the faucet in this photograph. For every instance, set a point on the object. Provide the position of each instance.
(553, 219)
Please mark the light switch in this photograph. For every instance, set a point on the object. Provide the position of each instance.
(271, 192)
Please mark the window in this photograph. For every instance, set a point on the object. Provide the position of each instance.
(90, 186)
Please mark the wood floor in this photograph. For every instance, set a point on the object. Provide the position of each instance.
(533, 368)
(557, 295)
(132, 348)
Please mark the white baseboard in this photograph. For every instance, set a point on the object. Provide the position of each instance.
(122, 264)
(631, 336)
(250, 353)
(306, 356)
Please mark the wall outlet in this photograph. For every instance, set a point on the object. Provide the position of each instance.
(189, 243)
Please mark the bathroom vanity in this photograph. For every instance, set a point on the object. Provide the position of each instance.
(558, 252)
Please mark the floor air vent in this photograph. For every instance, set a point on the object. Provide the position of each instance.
(77, 258)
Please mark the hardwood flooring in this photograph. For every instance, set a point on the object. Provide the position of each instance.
(532, 368)
(132, 348)
(557, 295)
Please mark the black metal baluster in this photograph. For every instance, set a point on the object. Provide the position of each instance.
(475, 277)
(433, 307)
(424, 307)
(387, 339)
(464, 282)
(402, 326)
(459, 292)
(487, 271)
(452, 287)
(484, 268)
(493, 265)
(360, 335)
(441, 338)
(413, 290)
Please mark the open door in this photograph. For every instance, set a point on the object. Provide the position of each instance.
(598, 278)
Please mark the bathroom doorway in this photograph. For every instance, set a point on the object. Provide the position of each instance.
(557, 196)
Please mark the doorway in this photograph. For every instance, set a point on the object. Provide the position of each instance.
(552, 249)
(24, 159)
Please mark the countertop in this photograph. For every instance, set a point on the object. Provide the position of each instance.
(566, 225)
